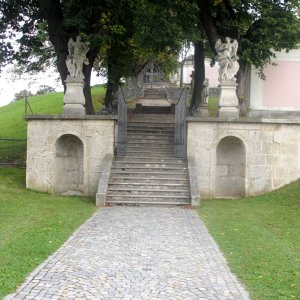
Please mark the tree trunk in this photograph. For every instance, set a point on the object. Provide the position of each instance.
(87, 71)
(199, 76)
(243, 89)
(181, 73)
(111, 88)
(208, 23)
(53, 13)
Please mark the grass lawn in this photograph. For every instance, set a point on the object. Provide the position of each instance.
(13, 125)
(260, 239)
(213, 107)
(32, 226)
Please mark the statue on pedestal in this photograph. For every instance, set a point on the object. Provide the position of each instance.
(229, 66)
(205, 92)
(77, 57)
(74, 99)
(227, 58)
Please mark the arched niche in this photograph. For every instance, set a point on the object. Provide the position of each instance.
(69, 165)
(230, 168)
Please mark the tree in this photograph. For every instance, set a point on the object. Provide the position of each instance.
(32, 22)
(22, 95)
(45, 89)
(260, 26)
(148, 30)
(126, 32)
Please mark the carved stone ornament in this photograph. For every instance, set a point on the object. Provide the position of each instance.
(227, 58)
(77, 57)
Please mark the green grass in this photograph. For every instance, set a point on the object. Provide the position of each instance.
(32, 226)
(13, 125)
(213, 107)
(260, 239)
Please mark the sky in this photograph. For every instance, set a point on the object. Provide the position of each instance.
(11, 84)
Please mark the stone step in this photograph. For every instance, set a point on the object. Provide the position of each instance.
(148, 193)
(151, 147)
(148, 173)
(150, 137)
(146, 202)
(144, 186)
(151, 118)
(147, 168)
(148, 144)
(157, 198)
(150, 154)
(169, 142)
(121, 179)
(150, 125)
(156, 110)
(179, 164)
(140, 129)
(151, 159)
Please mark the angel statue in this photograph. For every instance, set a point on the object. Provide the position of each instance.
(227, 58)
(77, 57)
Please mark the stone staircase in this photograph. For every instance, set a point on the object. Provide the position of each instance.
(149, 173)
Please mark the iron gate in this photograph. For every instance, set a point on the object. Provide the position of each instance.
(180, 125)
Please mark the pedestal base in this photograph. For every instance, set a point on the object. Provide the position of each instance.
(228, 103)
(74, 98)
(74, 109)
(203, 110)
(229, 112)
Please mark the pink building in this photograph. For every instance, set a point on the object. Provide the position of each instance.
(279, 94)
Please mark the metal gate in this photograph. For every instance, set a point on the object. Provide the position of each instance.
(122, 124)
(180, 125)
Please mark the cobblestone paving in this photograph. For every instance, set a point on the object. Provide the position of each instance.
(136, 253)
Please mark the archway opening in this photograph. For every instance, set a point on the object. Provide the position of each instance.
(69, 165)
(230, 168)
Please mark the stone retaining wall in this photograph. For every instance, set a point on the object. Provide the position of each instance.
(64, 154)
(243, 157)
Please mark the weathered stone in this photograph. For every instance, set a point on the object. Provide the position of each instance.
(65, 155)
(136, 253)
(272, 154)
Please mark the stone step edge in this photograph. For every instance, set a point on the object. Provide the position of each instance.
(149, 184)
(157, 178)
(150, 162)
(141, 128)
(147, 157)
(138, 143)
(148, 190)
(151, 152)
(153, 173)
(148, 196)
(148, 168)
(147, 202)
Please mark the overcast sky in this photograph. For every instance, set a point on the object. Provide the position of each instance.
(9, 85)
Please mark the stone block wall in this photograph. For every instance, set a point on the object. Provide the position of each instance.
(271, 155)
(64, 154)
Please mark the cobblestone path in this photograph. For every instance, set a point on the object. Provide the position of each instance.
(136, 253)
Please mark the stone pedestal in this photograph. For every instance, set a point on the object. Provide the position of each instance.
(74, 100)
(203, 110)
(229, 103)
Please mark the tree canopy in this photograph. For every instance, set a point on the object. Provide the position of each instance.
(124, 34)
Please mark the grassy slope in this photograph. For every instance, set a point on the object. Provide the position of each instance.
(13, 125)
(260, 238)
(32, 226)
